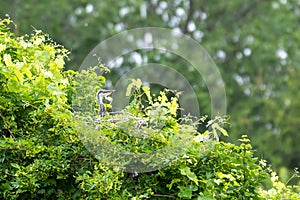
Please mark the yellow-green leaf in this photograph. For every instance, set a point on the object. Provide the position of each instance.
(60, 61)
(129, 88)
(147, 92)
(19, 75)
(137, 82)
(2, 47)
(219, 128)
(174, 106)
(7, 60)
(27, 72)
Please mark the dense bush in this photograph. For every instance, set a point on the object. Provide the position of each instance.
(42, 155)
(39, 147)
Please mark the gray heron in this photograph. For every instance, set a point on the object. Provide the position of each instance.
(101, 94)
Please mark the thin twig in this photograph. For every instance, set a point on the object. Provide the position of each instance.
(164, 195)
(19, 149)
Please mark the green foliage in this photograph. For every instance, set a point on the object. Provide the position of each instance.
(227, 172)
(85, 86)
(43, 157)
(254, 44)
(279, 190)
(38, 141)
(32, 84)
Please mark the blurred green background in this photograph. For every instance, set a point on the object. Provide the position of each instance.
(255, 44)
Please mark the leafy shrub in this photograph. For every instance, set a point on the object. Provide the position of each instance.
(38, 143)
(279, 190)
(43, 157)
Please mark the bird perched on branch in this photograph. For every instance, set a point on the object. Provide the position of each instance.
(101, 94)
(120, 118)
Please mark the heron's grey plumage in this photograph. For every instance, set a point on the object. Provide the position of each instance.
(100, 95)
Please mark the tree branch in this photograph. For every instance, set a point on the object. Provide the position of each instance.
(239, 15)
(189, 17)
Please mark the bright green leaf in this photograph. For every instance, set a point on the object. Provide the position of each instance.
(186, 191)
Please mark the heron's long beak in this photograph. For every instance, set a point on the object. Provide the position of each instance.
(108, 92)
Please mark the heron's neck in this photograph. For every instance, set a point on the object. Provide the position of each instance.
(100, 99)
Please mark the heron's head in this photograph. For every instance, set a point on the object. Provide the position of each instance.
(104, 92)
